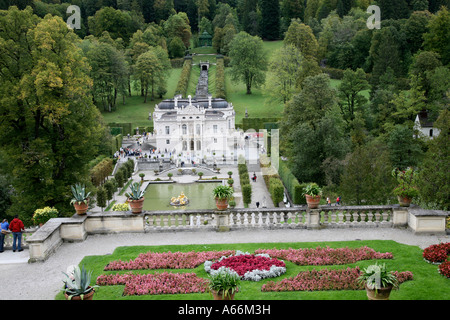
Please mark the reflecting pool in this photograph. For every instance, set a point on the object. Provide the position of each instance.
(200, 195)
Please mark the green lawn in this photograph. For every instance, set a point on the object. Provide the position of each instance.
(135, 110)
(428, 284)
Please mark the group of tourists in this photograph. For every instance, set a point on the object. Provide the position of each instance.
(16, 227)
(338, 201)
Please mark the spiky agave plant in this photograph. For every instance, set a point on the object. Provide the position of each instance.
(79, 194)
(79, 283)
(136, 193)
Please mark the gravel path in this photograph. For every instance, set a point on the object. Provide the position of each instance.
(42, 281)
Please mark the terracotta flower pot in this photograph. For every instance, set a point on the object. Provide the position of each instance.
(218, 295)
(404, 201)
(379, 294)
(136, 205)
(221, 204)
(81, 208)
(312, 201)
(87, 296)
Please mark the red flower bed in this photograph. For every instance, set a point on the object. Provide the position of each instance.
(345, 279)
(247, 262)
(437, 253)
(444, 269)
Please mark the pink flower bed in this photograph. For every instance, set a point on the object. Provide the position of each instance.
(154, 284)
(437, 253)
(314, 280)
(167, 260)
(325, 256)
(247, 262)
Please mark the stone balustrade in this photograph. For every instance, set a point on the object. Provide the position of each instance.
(59, 230)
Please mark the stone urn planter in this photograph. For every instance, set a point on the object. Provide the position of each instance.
(378, 281)
(404, 201)
(221, 204)
(312, 194)
(312, 201)
(135, 198)
(136, 205)
(221, 195)
(379, 294)
(221, 295)
(81, 207)
(87, 296)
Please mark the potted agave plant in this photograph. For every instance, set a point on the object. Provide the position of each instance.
(224, 283)
(77, 284)
(378, 281)
(222, 194)
(135, 197)
(312, 192)
(80, 198)
(406, 189)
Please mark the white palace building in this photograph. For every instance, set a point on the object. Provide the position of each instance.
(196, 128)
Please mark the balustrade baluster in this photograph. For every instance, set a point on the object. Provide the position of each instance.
(324, 217)
(231, 219)
(364, 218)
(268, 219)
(377, 216)
(246, 219)
(253, 222)
(238, 219)
(385, 216)
(331, 217)
(355, 216)
(274, 221)
(340, 217)
(260, 219)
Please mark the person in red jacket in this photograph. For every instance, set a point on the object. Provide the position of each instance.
(16, 226)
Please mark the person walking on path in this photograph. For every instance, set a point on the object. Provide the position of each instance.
(16, 226)
(4, 231)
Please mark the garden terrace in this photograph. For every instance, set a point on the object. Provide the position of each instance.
(58, 230)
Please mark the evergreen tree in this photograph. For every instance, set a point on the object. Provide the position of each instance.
(101, 197)
(270, 13)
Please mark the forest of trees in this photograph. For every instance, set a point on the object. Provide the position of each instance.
(348, 138)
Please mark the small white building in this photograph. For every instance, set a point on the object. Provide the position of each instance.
(195, 128)
(425, 126)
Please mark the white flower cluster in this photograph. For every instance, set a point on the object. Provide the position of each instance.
(257, 275)
(254, 275)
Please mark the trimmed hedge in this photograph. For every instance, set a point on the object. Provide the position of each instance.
(294, 188)
(276, 190)
(220, 79)
(245, 183)
(126, 127)
(183, 83)
(116, 143)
